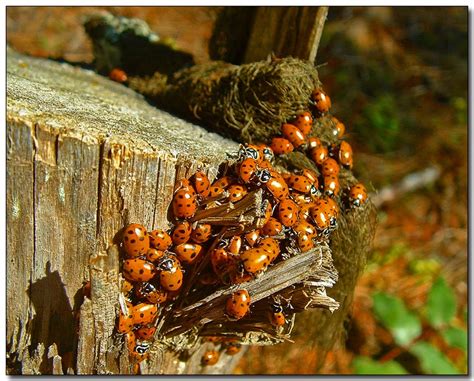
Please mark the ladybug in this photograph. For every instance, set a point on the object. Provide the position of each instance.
(313, 142)
(232, 349)
(277, 186)
(181, 232)
(268, 212)
(201, 233)
(329, 167)
(345, 154)
(272, 228)
(322, 217)
(293, 134)
(249, 151)
(144, 313)
(311, 176)
(186, 185)
(145, 333)
(125, 322)
(188, 252)
(305, 210)
(319, 154)
(222, 262)
(247, 169)
(305, 242)
(234, 245)
(135, 240)
(238, 304)
(160, 240)
(153, 255)
(131, 341)
(281, 146)
(220, 185)
(210, 358)
(358, 194)
(126, 287)
(321, 101)
(118, 75)
(252, 237)
(255, 259)
(299, 183)
(202, 184)
(266, 153)
(331, 185)
(171, 275)
(304, 227)
(150, 293)
(276, 315)
(237, 192)
(339, 128)
(288, 212)
(138, 270)
(332, 205)
(184, 203)
(140, 352)
(304, 122)
(271, 246)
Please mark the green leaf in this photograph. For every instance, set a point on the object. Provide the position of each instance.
(391, 311)
(432, 361)
(365, 365)
(441, 304)
(455, 337)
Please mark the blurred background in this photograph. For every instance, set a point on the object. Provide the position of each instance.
(398, 79)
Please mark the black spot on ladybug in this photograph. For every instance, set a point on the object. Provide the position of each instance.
(133, 241)
(142, 315)
(142, 238)
(130, 232)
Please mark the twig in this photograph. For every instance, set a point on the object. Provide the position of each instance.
(320, 20)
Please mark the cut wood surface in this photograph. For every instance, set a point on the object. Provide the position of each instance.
(85, 156)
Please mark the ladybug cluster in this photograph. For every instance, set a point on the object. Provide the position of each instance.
(299, 208)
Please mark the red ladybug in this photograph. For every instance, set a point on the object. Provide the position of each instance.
(202, 233)
(223, 263)
(271, 246)
(234, 245)
(161, 240)
(252, 237)
(266, 153)
(238, 304)
(118, 75)
(135, 240)
(332, 205)
(293, 134)
(144, 313)
(272, 228)
(184, 204)
(345, 154)
(145, 333)
(126, 287)
(131, 341)
(288, 212)
(323, 217)
(339, 127)
(276, 315)
(153, 255)
(277, 186)
(304, 122)
(358, 194)
(255, 259)
(331, 185)
(232, 349)
(181, 232)
(299, 183)
(281, 146)
(247, 169)
(237, 192)
(125, 322)
(138, 270)
(171, 275)
(313, 142)
(210, 358)
(220, 185)
(321, 101)
(202, 184)
(268, 212)
(249, 151)
(319, 154)
(150, 293)
(311, 176)
(188, 252)
(329, 167)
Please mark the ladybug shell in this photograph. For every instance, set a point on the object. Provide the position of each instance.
(151, 293)
(278, 187)
(210, 358)
(125, 322)
(247, 169)
(358, 194)
(293, 134)
(299, 183)
(305, 242)
(321, 100)
(135, 240)
(202, 184)
(222, 262)
(118, 75)
(331, 185)
(138, 270)
(277, 319)
(288, 212)
(131, 341)
(238, 304)
(144, 313)
(272, 228)
(304, 122)
(345, 154)
(234, 245)
(185, 184)
(271, 246)
(266, 153)
(329, 167)
(255, 259)
(305, 210)
(313, 142)
(339, 128)
(252, 237)
(153, 255)
(181, 232)
(145, 333)
(305, 227)
(268, 213)
(320, 217)
(160, 240)
(223, 182)
(311, 176)
(201, 233)
(126, 287)
(171, 280)
(331, 204)
(237, 192)
(319, 154)
(232, 349)
(281, 146)
(188, 252)
(184, 204)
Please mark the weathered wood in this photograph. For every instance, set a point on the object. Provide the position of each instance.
(85, 156)
(286, 31)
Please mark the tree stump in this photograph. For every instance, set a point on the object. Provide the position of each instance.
(85, 156)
